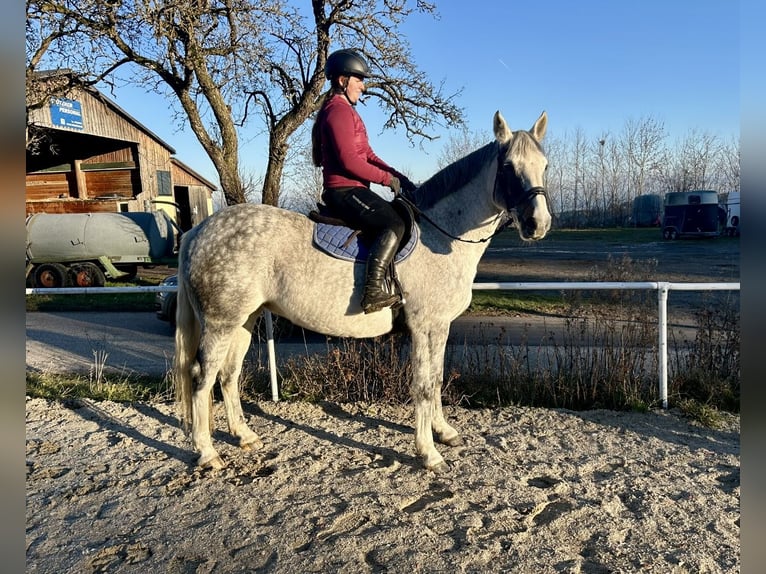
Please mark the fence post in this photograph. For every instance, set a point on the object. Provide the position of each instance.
(662, 322)
(272, 355)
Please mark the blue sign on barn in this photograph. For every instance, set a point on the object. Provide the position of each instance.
(66, 113)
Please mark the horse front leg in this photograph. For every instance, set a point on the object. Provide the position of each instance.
(445, 433)
(422, 391)
(229, 377)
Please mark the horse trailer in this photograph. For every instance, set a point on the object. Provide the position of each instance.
(691, 214)
(647, 210)
(732, 215)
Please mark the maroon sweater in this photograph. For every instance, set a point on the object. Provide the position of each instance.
(347, 158)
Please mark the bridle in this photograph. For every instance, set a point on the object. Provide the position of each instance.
(505, 177)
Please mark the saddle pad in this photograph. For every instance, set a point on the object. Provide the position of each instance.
(332, 239)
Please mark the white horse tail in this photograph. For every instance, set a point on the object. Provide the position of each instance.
(187, 343)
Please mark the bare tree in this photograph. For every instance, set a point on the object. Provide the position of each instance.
(556, 153)
(616, 179)
(698, 152)
(578, 159)
(727, 165)
(642, 145)
(603, 203)
(225, 61)
(460, 144)
(303, 184)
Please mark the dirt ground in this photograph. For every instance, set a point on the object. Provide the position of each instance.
(113, 487)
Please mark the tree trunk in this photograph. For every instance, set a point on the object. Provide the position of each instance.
(231, 182)
(231, 186)
(277, 154)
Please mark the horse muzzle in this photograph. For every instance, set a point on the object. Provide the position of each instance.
(535, 217)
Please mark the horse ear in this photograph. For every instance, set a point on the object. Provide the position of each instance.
(538, 130)
(503, 133)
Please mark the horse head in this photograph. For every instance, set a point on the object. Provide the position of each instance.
(520, 181)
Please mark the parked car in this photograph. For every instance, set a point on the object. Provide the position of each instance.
(165, 301)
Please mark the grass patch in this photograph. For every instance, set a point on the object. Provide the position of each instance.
(568, 237)
(107, 388)
(703, 414)
(514, 302)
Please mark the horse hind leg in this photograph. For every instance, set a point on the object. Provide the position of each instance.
(194, 378)
(203, 376)
(229, 377)
(211, 356)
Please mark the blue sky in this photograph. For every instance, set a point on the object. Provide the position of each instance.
(591, 64)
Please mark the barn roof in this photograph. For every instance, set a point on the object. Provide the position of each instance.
(186, 168)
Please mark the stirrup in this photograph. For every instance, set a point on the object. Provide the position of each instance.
(381, 301)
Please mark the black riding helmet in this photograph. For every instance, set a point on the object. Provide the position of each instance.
(346, 62)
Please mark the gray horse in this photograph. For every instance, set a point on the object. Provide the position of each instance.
(246, 258)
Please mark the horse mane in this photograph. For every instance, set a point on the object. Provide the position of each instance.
(453, 177)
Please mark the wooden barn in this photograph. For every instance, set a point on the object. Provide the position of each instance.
(94, 157)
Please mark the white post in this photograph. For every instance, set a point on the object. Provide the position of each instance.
(272, 355)
(662, 359)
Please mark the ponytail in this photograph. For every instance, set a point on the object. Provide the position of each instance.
(316, 144)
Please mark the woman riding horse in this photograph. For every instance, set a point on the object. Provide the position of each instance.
(340, 146)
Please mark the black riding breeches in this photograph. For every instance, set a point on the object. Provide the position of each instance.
(364, 209)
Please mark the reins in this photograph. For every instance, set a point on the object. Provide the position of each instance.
(419, 212)
(527, 197)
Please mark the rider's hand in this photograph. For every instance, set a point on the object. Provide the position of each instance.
(395, 185)
(407, 185)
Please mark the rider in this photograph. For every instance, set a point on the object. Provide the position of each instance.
(341, 147)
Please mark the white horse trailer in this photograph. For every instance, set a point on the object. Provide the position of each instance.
(732, 214)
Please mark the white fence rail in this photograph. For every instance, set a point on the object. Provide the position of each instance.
(661, 287)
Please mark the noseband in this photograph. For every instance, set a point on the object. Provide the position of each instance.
(508, 188)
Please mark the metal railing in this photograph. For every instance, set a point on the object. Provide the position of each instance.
(662, 288)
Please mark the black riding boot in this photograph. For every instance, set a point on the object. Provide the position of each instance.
(381, 254)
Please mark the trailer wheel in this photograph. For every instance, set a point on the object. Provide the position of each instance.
(670, 233)
(51, 275)
(86, 275)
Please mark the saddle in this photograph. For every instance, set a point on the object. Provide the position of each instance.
(336, 237)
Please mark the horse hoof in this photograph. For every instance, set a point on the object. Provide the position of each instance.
(215, 463)
(252, 445)
(456, 440)
(440, 468)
